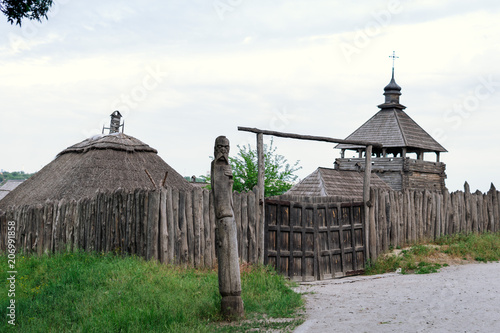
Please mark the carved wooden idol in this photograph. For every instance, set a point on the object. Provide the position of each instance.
(226, 238)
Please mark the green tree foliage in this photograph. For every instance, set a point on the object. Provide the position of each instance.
(279, 174)
(4, 176)
(17, 10)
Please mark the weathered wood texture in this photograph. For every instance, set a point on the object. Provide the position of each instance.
(167, 225)
(404, 218)
(134, 222)
(401, 173)
(314, 241)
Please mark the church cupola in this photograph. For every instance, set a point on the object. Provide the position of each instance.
(392, 91)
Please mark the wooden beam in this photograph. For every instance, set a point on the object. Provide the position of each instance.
(260, 193)
(309, 137)
(366, 196)
(367, 175)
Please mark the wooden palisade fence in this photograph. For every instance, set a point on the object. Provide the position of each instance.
(166, 224)
(401, 218)
(179, 227)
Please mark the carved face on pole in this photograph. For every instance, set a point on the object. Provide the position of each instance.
(221, 149)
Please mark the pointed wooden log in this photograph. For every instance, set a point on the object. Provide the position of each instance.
(237, 219)
(439, 219)
(190, 227)
(170, 226)
(207, 257)
(176, 205)
(212, 228)
(372, 228)
(252, 222)
(197, 216)
(244, 227)
(163, 229)
(184, 249)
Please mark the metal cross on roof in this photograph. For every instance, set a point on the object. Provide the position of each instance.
(393, 56)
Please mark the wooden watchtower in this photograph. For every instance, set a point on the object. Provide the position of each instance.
(400, 162)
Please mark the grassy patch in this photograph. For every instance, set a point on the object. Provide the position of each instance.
(81, 292)
(411, 260)
(484, 247)
(429, 258)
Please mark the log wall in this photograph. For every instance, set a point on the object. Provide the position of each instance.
(179, 227)
(401, 173)
(402, 218)
(167, 225)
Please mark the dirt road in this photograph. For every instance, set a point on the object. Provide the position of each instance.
(463, 298)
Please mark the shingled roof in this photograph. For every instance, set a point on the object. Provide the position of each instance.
(9, 185)
(393, 128)
(331, 182)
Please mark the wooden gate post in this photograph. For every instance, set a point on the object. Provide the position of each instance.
(260, 199)
(366, 196)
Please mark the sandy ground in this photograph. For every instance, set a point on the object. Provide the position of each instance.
(462, 298)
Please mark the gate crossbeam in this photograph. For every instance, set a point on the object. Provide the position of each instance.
(260, 178)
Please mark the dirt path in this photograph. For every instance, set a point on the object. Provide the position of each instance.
(464, 298)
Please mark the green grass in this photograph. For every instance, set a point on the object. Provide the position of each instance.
(419, 258)
(484, 247)
(81, 292)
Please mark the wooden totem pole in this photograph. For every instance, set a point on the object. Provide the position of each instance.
(225, 232)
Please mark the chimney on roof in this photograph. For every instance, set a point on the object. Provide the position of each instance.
(115, 124)
(114, 127)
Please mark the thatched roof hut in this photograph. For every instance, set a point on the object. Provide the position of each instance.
(102, 162)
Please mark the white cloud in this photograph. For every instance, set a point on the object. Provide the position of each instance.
(263, 58)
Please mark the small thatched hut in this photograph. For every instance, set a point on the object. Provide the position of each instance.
(102, 162)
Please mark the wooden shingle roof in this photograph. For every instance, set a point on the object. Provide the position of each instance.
(9, 186)
(331, 182)
(393, 128)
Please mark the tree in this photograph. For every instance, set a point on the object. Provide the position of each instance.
(279, 174)
(17, 10)
(16, 175)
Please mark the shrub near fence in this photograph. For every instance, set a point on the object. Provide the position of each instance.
(166, 224)
(401, 218)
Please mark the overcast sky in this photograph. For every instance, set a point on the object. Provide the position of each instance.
(183, 72)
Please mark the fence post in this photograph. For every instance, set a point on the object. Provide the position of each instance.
(366, 198)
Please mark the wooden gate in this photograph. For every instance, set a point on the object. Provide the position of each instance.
(314, 241)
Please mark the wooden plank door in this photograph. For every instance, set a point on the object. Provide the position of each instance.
(307, 242)
(290, 240)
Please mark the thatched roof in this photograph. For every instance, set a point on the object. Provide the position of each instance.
(331, 182)
(103, 162)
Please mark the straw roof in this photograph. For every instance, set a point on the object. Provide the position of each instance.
(331, 182)
(103, 162)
